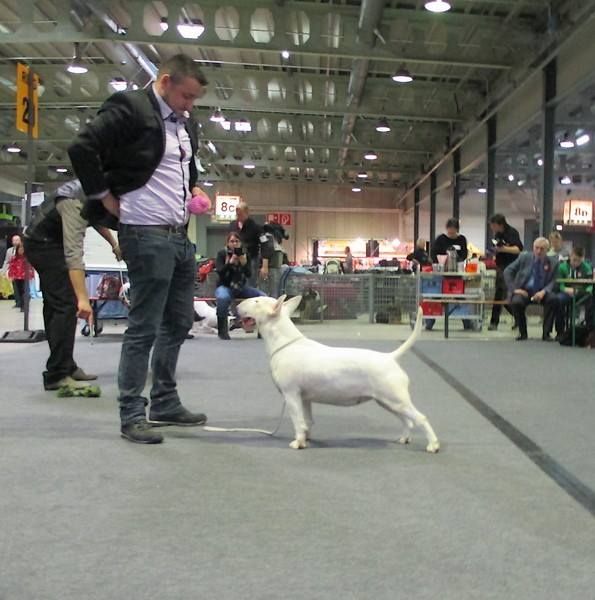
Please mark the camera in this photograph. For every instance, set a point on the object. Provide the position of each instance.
(497, 242)
(238, 251)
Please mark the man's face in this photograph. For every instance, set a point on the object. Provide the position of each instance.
(180, 96)
(540, 249)
(241, 214)
(451, 232)
(496, 228)
(575, 261)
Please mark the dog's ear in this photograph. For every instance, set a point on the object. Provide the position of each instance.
(292, 304)
(278, 305)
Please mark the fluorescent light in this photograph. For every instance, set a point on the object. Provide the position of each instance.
(77, 66)
(402, 76)
(362, 175)
(217, 116)
(226, 124)
(437, 6)
(242, 125)
(191, 29)
(565, 180)
(356, 189)
(207, 183)
(370, 155)
(583, 139)
(482, 188)
(520, 182)
(540, 162)
(164, 24)
(212, 147)
(61, 170)
(566, 142)
(119, 84)
(249, 166)
(382, 126)
(285, 54)
(511, 177)
(558, 227)
(13, 149)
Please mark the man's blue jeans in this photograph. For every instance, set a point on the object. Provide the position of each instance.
(225, 295)
(162, 270)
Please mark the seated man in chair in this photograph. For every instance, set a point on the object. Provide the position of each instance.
(530, 279)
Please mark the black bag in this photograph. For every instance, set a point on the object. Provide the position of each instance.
(581, 333)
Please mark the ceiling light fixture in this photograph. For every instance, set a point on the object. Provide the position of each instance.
(566, 142)
(249, 166)
(164, 24)
(583, 139)
(437, 6)
(382, 126)
(217, 116)
(511, 177)
(119, 84)
(559, 227)
(356, 189)
(370, 155)
(207, 183)
(285, 54)
(565, 180)
(520, 182)
(13, 149)
(226, 125)
(482, 188)
(362, 175)
(242, 125)
(191, 28)
(61, 170)
(76, 65)
(540, 162)
(402, 75)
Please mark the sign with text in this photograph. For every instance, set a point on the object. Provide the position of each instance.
(225, 207)
(27, 109)
(578, 212)
(280, 218)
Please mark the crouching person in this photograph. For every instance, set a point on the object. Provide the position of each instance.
(233, 269)
(530, 279)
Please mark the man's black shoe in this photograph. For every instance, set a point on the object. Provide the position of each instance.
(179, 416)
(547, 338)
(492, 326)
(140, 432)
(521, 338)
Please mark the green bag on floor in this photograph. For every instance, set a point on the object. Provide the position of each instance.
(88, 391)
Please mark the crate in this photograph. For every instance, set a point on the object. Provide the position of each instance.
(453, 285)
(432, 285)
(463, 310)
(431, 309)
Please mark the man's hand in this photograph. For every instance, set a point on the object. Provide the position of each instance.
(243, 260)
(111, 204)
(117, 252)
(196, 191)
(84, 311)
(264, 272)
(235, 259)
(538, 297)
(520, 292)
(570, 291)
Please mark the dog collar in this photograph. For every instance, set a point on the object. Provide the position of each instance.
(297, 339)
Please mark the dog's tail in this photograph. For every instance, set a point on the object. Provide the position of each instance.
(408, 343)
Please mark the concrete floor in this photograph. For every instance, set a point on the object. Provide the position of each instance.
(84, 514)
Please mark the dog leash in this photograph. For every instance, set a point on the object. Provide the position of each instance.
(250, 430)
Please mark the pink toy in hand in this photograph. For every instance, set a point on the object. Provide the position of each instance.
(199, 204)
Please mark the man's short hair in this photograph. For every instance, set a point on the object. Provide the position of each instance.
(452, 222)
(498, 219)
(542, 242)
(180, 66)
(243, 205)
(578, 251)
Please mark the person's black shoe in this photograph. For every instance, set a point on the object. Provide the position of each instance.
(179, 416)
(222, 328)
(547, 338)
(521, 338)
(189, 336)
(140, 432)
(492, 326)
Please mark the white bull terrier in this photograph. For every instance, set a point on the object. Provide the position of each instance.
(305, 371)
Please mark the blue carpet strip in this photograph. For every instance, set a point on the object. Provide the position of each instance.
(573, 486)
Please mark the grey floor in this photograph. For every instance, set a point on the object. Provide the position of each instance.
(86, 515)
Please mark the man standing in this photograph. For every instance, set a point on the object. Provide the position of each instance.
(250, 233)
(531, 278)
(506, 245)
(136, 160)
(54, 245)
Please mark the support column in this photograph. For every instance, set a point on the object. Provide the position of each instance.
(549, 143)
(491, 175)
(432, 207)
(415, 215)
(456, 187)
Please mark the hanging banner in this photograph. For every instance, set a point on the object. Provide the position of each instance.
(225, 207)
(26, 111)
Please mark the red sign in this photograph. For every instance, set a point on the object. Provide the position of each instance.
(280, 218)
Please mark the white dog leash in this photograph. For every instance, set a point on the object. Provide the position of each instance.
(247, 429)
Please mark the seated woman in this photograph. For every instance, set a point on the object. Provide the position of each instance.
(233, 269)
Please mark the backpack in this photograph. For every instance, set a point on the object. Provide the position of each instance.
(581, 333)
(109, 287)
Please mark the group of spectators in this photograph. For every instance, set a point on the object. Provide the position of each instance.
(522, 277)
